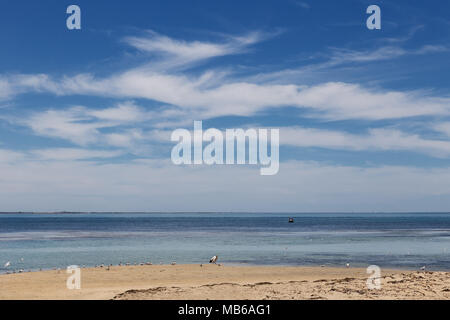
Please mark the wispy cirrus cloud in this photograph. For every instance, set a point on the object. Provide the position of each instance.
(376, 139)
(333, 101)
(65, 154)
(341, 56)
(123, 126)
(442, 127)
(185, 97)
(345, 59)
(99, 140)
(12, 85)
(55, 154)
(5, 89)
(83, 127)
(122, 113)
(172, 52)
(213, 93)
(72, 124)
(404, 38)
(302, 4)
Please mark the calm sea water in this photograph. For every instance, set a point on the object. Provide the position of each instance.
(34, 241)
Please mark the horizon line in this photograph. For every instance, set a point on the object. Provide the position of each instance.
(217, 212)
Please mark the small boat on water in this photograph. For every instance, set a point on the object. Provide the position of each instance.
(291, 220)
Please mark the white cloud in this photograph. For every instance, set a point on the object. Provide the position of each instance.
(12, 85)
(342, 56)
(40, 178)
(333, 100)
(10, 156)
(302, 4)
(5, 89)
(175, 53)
(83, 126)
(72, 124)
(124, 139)
(443, 127)
(339, 101)
(54, 154)
(152, 186)
(124, 126)
(376, 140)
(64, 154)
(213, 93)
(123, 112)
(126, 129)
(342, 61)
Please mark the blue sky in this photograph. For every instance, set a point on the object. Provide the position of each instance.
(87, 114)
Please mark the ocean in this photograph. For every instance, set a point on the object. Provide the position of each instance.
(389, 240)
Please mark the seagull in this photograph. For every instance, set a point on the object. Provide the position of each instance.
(213, 259)
(423, 268)
(7, 264)
(348, 265)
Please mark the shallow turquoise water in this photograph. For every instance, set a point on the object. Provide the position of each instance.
(34, 241)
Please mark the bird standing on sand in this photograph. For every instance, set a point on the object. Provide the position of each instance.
(423, 268)
(348, 265)
(213, 259)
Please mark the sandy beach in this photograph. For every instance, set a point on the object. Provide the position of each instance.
(225, 282)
